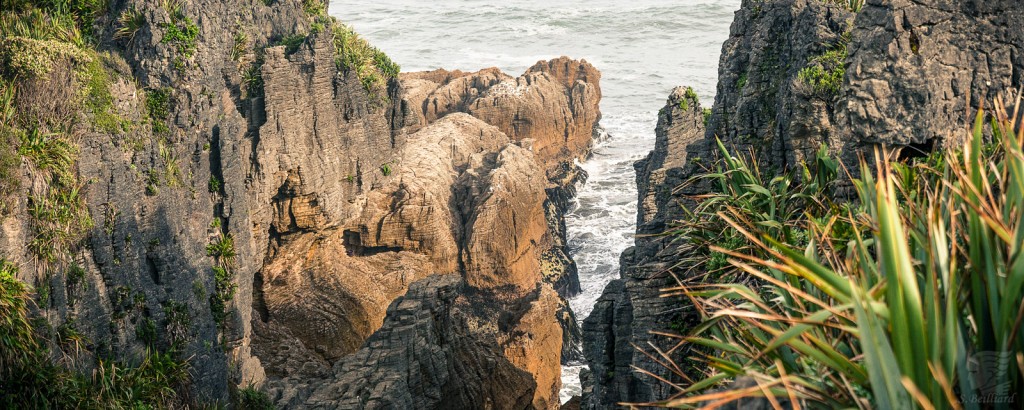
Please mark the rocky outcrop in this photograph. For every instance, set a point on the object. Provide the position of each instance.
(631, 307)
(917, 68)
(762, 104)
(435, 350)
(260, 207)
(554, 104)
(463, 201)
(904, 74)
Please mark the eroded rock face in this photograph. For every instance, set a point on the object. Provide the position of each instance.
(631, 307)
(555, 104)
(913, 65)
(333, 200)
(460, 198)
(762, 105)
(910, 68)
(425, 356)
(462, 202)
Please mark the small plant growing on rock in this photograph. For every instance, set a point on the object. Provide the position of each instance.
(223, 248)
(352, 53)
(251, 398)
(252, 79)
(689, 97)
(181, 33)
(314, 7)
(158, 108)
(131, 21)
(385, 169)
(178, 321)
(214, 184)
(223, 291)
(825, 73)
(152, 182)
(241, 44)
(291, 43)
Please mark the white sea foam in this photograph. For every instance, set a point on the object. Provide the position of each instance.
(643, 48)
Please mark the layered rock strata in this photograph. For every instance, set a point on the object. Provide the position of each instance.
(909, 74)
(289, 225)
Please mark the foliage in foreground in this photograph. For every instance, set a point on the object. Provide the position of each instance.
(29, 377)
(912, 297)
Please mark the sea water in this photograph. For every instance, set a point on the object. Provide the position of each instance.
(643, 49)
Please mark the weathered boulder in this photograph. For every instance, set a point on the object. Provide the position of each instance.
(555, 104)
(915, 66)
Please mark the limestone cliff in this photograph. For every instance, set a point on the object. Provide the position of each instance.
(262, 199)
(794, 75)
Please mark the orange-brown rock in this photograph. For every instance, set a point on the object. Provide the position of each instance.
(535, 344)
(459, 197)
(555, 103)
(507, 228)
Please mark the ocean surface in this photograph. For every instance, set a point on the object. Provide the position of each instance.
(643, 48)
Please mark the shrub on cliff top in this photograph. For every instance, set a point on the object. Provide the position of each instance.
(911, 298)
(352, 53)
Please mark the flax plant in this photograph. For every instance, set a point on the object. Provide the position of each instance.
(911, 297)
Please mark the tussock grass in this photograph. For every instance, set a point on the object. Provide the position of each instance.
(354, 54)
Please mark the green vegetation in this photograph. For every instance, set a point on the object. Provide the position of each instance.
(158, 108)
(43, 40)
(385, 169)
(214, 184)
(689, 97)
(98, 99)
(181, 33)
(250, 398)
(825, 73)
(291, 43)
(177, 324)
(145, 331)
(223, 292)
(223, 248)
(852, 5)
(29, 378)
(23, 57)
(887, 302)
(707, 116)
(241, 44)
(76, 282)
(353, 54)
(314, 7)
(130, 21)
(252, 78)
(172, 172)
(152, 182)
(741, 81)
